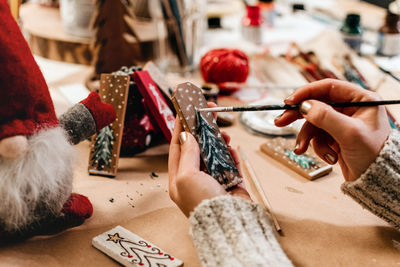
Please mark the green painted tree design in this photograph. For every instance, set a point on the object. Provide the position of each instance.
(218, 162)
(304, 161)
(103, 148)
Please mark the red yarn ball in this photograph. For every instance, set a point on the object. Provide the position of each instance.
(224, 65)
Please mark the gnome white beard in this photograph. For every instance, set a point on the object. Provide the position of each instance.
(39, 183)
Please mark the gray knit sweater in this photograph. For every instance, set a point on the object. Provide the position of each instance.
(230, 231)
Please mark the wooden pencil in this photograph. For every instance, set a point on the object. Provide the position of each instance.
(260, 190)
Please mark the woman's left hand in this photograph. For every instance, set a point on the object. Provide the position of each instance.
(188, 185)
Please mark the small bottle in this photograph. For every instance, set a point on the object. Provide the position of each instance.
(389, 36)
(251, 25)
(268, 11)
(352, 31)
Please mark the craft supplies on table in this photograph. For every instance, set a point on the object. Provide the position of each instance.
(224, 65)
(131, 250)
(252, 29)
(307, 165)
(262, 122)
(180, 26)
(389, 36)
(352, 32)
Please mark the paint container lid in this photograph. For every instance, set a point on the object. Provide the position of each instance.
(353, 20)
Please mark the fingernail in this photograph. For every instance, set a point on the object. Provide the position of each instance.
(305, 107)
(289, 98)
(278, 117)
(297, 146)
(182, 137)
(330, 158)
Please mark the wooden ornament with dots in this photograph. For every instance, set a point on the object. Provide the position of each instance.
(307, 165)
(106, 144)
(215, 154)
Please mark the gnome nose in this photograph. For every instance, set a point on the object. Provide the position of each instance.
(13, 147)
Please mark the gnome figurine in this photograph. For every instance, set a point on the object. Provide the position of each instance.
(36, 148)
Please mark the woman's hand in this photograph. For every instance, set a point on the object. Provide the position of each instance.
(188, 185)
(353, 136)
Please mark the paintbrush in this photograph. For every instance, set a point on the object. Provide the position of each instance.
(297, 106)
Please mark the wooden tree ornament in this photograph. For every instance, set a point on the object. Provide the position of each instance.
(115, 42)
(218, 161)
(106, 144)
(307, 165)
(132, 250)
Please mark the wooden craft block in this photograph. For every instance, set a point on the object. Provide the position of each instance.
(132, 250)
(307, 165)
(106, 144)
(214, 151)
(156, 103)
(159, 78)
(162, 82)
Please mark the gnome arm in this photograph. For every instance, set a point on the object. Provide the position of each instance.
(87, 118)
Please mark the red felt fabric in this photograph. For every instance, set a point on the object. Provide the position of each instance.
(75, 211)
(25, 103)
(78, 206)
(103, 113)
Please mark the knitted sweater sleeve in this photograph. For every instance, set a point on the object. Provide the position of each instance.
(230, 231)
(378, 188)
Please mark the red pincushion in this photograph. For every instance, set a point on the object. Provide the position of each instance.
(224, 65)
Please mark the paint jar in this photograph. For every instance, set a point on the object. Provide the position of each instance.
(180, 27)
(268, 11)
(251, 25)
(352, 31)
(389, 36)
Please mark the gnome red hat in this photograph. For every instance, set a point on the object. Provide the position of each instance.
(25, 103)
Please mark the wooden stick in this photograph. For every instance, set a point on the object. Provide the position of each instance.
(297, 106)
(259, 188)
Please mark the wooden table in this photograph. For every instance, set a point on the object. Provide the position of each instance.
(321, 226)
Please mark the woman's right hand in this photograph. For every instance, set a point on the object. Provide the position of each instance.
(352, 136)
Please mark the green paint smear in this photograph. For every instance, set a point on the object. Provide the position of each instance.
(304, 161)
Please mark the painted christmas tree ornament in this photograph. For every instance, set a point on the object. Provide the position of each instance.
(307, 165)
(187, 99)
(131, 250)
(106, 145)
